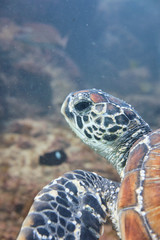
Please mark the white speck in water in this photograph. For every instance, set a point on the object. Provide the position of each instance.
(58, 155)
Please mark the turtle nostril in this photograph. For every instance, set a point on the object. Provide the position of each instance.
(83, 105)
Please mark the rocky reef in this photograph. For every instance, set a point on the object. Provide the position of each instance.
(33, 68)
(22, 175)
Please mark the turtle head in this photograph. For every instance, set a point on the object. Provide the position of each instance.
(107, 124)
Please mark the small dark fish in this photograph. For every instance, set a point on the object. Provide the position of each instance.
(53, 158)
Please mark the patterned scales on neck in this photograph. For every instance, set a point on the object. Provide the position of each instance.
(74, 206)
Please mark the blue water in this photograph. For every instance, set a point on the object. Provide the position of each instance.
(113, 45)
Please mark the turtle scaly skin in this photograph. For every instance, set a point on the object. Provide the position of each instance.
(70, 207)
(75, 206)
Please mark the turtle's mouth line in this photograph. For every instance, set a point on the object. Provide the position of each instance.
(63, 107)
(77, 131)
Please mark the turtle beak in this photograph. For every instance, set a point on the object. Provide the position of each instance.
(65, 108)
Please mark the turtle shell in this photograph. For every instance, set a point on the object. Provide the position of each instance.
(139, 197)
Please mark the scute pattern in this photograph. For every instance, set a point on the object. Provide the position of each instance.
(140, 189)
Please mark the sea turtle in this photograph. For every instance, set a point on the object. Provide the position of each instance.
(74, 206)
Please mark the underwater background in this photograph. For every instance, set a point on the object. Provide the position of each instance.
(49, 48)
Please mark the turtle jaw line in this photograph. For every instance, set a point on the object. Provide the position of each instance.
(100, 147)
(97, 146)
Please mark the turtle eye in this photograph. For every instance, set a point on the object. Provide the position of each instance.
(82, 106)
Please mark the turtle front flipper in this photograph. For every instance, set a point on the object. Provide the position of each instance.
(71, 207)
